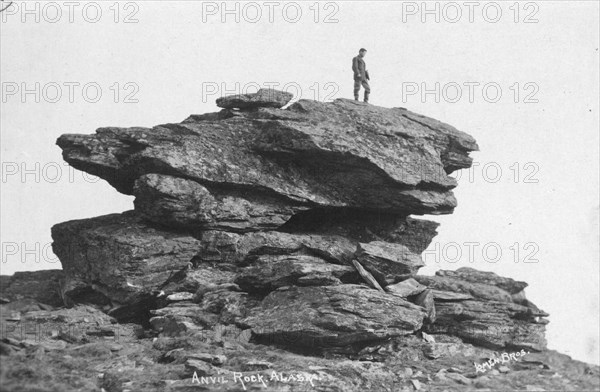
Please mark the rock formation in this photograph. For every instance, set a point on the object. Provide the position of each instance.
(267, 239)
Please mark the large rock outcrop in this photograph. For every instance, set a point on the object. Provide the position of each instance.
(264, 240)
(285, 209)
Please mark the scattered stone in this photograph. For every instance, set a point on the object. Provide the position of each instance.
(181, 317)
(428, 338)
(214, 359)
(504, 369)
(535, 388)
(175, 297)
(258, 365)
(366, 275)
(416, 384)
(425, 300)
(201, 368)
(406, 288)
(459, 378)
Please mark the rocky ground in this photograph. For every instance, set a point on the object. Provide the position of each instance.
(272, 249)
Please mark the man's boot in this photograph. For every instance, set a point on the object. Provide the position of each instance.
(366, 98)
(356, 97)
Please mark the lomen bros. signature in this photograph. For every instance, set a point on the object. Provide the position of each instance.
(495, 360)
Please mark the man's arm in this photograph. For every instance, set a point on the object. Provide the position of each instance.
(355, 67)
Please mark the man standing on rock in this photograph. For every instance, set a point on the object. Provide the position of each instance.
(361, 75)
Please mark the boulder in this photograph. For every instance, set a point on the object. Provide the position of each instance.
(42, 286)
(264, 98)
(318, 317)
(120, 262)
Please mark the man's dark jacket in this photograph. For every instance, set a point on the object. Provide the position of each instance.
(359, 68)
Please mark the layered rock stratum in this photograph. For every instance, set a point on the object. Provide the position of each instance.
(272, 249)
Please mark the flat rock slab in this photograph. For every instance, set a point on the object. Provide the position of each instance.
(476, 290)
(264, 98)
(485, 309)
(440, 295)
(78, 324)
(268, 273)
(491, 324)
(328, 316)
(311, 155)
(388, 263)
(183, 203)
(406, 288)
(485, 277)
(220, 247)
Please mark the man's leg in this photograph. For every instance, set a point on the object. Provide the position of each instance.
(365, 84)
(356, 88)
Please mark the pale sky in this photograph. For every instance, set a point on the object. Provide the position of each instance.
(528, 92)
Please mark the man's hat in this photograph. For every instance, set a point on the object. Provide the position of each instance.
(362, 50)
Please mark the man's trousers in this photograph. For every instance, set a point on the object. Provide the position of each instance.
(365, 84)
